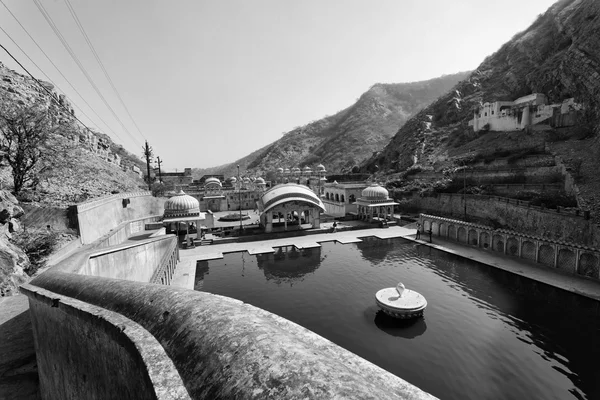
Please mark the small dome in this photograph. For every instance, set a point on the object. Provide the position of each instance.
(375, 192)
(287, 170)
(307, 169)
(212, 180)
(233, 179)
(260, 181)
(321, 168)
(296, 170)
(246, 180)
(280, 170)
(181, 204)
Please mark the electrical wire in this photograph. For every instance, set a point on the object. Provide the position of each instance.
(44, 87)
(93, 49)
(65, 44)
(59, 71)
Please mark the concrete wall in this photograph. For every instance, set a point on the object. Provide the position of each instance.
(565, 225)
(224, 348)
(86, 352)
(133, 262)
(98, 217)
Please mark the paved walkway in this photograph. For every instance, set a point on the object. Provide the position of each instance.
(186, 270)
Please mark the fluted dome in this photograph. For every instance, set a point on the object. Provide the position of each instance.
(307, 169)
(375, 192)
(182, 205)
(280, 170)
(260, 181)
(233, 179)
(321, 168)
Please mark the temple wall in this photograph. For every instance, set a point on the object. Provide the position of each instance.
(566, 225)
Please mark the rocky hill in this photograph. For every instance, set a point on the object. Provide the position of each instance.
(558, 55)
(87, 164)
(347, 138)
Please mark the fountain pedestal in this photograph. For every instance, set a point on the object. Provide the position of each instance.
(399, 302)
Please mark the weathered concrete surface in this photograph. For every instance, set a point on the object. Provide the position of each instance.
(86, 352)
(18, 366)
(226, 349)
(133, 262)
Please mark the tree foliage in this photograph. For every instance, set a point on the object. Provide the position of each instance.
(25, 131)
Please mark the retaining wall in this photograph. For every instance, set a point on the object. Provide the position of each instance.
(132, 262)
(567, 257)
(569, 225)
(96, 218)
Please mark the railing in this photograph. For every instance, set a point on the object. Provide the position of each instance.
(166, 269)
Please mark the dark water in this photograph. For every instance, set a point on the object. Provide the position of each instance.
(486, 333)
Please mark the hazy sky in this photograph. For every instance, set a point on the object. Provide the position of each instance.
(209, 82)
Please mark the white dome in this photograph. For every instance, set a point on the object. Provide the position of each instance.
(321, 168)
(212, 180)
(295, 170)
(280, 170)
(181, 204)
(375, 192)
(260, 181)
(287, 170)
(307, 169)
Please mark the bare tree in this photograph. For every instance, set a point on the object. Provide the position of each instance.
(24, 132)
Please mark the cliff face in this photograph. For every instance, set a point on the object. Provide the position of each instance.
(86, 164)
(558, 55)
(349, 137)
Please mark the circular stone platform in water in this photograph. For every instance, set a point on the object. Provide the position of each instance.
(399, 302)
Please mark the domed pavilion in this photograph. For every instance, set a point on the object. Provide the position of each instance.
(375, 203)
(182, 212)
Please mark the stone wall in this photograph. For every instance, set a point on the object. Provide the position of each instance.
(133, 262)
(119, 360)
(567, 257)
(222, 348)
(572, 226)
(97, 217)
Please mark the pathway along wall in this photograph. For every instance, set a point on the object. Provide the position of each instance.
(567, 257)
(566, 225)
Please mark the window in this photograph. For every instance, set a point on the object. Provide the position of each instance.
(342, 199)
(485, 114)
(492, 113)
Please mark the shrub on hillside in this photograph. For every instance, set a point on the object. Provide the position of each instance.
(38, 245)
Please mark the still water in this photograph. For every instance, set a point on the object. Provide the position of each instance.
(486, 333)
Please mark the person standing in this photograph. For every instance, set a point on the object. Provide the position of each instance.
(418, 237)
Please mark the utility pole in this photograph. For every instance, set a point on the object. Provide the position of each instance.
(147, 153)
(240, 199)
(159, 173)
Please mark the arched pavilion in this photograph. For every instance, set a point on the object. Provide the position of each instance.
(291, 202)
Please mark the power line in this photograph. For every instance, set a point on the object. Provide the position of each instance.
(91, 46)
(44, 87)
(59, 71)
(65, 44)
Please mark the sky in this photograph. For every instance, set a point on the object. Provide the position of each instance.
(208, 82)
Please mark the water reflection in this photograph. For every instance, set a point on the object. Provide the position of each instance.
(375, 249)
(201, 271)
(406, 328)
(288, 264)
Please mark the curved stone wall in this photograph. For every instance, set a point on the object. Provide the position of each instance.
(224, 348)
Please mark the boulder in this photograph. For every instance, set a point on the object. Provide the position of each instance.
(13, 262)
(9, 206)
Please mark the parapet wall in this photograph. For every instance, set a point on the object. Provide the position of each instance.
(224, 348)
(572, 226)
(97, 217)
(86, 352)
